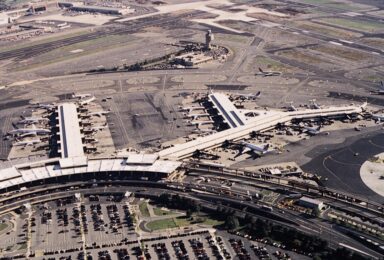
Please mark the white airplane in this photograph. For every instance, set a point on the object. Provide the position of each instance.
(251, 96)
(91, 140)
(380, 90)
(94, 129)
(189, 109)
(208, 131)
(98, 113)
(48, 107)
(29, 131)
(311, 130)
(199, 123)
(267, 73)
(313, 104)
(80, 96)
(378, 118)
(195, 116)
(27, 143)
(32, 120)
(257, 149)
(291, 107)
(86, 101)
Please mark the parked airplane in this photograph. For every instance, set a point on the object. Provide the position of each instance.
(91, 140)
(378, 118)
(311, 130)
(380, 90)
(86, 101)
(313, 104)
(199, 123)
(267, 73)
(98, 113)
(22, 132)
(251, 96)
(32, 120)
(195, 116)
(257, 149)
(27, 143)
(189, 109)
(80, 96)
(291, 107)
(48, 107)
(95, 129)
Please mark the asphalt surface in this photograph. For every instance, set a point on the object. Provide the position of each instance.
(341, 163)
(130, 27)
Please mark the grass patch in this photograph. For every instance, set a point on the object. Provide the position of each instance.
(162, 224)
(23, 246)
(360, 25)
(374, 42)
(302, 57)
(232, 38)
(265, 63)
(162, 212)
(183, 221)
(373, 78)
(327, 30)
(90, 47)
(3, 226)
(271, 64)
(344, 53)
(47, 39)
(143, 206)
(336, 5)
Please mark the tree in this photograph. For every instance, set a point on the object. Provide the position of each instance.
(189, 213)
(232, 222)
(296, 243)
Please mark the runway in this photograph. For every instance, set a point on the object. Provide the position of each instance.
(139, 24)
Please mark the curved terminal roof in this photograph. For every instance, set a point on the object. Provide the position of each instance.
(20, 174)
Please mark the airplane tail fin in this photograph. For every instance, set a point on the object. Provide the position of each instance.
(318, 128)
(261, 70)
(258, 94)
(382, 85)
(15, 126)
(266, 147)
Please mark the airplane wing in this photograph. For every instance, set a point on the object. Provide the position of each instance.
(28, 134)
(246, 150)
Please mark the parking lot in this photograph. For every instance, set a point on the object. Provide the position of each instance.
(106, 226)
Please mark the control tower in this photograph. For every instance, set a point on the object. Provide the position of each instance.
(208, 39)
